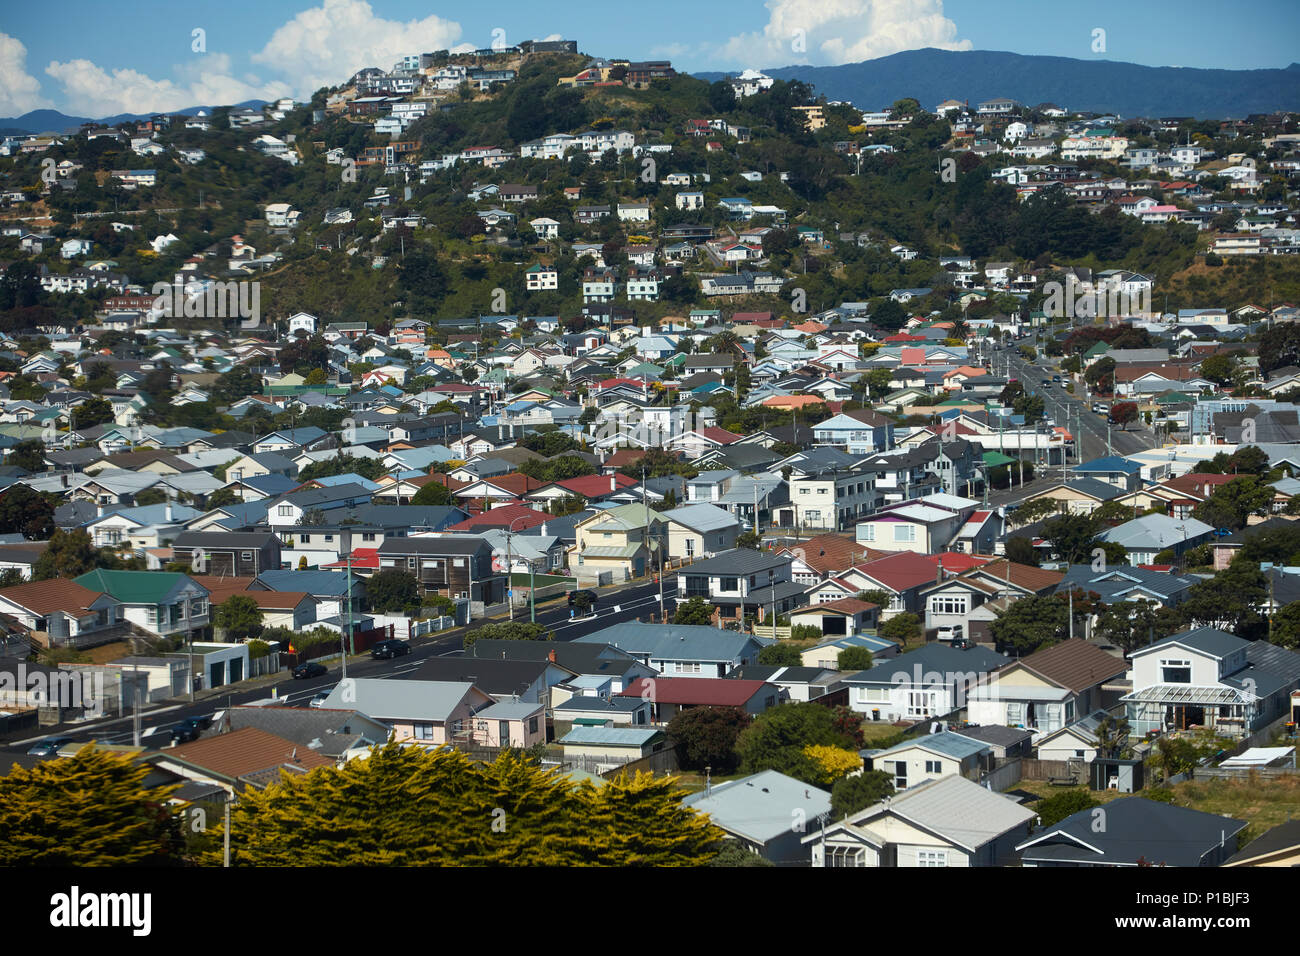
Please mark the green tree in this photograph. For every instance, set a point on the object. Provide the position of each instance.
(780, 655)
(1233, 502)
(695, 611)
(851, 794)
(508, 631)
(392, 590)
(748, 539)
(29, 455)
(853, 659)
(1052, 810)
(26, 512)
(407, 806)
(901, 628)
(777, 738)
(1031, 623)
(94, 411)
(1229, 601)
(70, 554)
(1021, 550)
(1286, 627)
(433, 493)
(239, 616)
(708, 737)
(1072, 537)
(91, 809)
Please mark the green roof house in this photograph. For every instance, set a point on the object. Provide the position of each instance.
(159, 602)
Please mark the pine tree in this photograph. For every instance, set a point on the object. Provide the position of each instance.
(640, 821)
(91, 809)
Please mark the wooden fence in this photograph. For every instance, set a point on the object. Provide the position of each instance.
(1031, 769)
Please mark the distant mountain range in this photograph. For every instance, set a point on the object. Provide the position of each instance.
(1100, 86)
(52, 121)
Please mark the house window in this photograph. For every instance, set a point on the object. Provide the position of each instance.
(934, 766)
(868, 532)
(368, 536)
(931, 857)
(954, 604)
(329, 537)
(904, 532)
(1175, 672)
(845, 856)
(918, 703)
(284, 511)
(532, 725)
(304, 538)
(245, 555)
(422, 730)
(410, 563)
(729, 584)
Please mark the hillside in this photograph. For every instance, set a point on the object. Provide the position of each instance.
(1101, 85)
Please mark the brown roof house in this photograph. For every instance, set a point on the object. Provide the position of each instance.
(243, 758)
(61, 613)
(1049, 689)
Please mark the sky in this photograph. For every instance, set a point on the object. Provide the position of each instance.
(143, 56)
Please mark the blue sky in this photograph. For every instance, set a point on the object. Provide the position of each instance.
(147, 57)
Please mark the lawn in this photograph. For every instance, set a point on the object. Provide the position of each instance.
(1263, 803)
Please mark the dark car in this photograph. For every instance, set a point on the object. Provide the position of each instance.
(310, 669)
(582, 597)
(189, 729)
(48, 747)
(388, 649)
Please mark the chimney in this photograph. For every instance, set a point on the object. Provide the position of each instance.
(99, 509)
(167, 514)
(613, 484)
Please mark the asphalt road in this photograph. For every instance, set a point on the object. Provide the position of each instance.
(614, 606)
(1072, 411)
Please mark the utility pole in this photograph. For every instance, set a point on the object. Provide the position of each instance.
(346, 645)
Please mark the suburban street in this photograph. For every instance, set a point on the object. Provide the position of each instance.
(632, 602)
(1071, 411)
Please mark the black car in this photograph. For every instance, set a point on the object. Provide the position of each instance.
(310, 669)
(189, 729)
(388, 649)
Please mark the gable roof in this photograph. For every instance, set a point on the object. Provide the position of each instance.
(1075, 664)
(1136, 828)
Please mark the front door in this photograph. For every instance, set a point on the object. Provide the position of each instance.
(503, 733)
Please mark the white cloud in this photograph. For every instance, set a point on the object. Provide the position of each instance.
(19, 90)
(829, 32)
(91, 90)
(325, 45)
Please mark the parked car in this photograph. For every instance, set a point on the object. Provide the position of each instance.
(189, 729)
(310, 669)
(952, 633)
(48, 747)
(385, 650)
(319, 699)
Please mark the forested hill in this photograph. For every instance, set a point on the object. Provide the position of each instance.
(1099, 85)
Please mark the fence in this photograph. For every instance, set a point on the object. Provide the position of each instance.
(361, 641)
(1007, 775)
(1243, 773)
(1032, 769)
